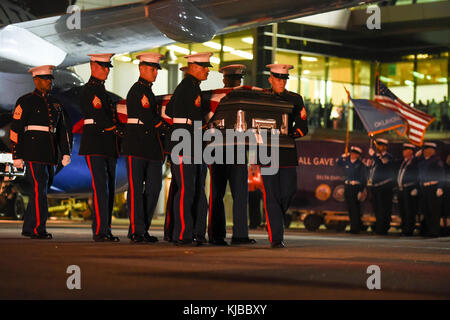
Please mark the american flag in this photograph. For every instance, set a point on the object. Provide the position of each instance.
(418, 121)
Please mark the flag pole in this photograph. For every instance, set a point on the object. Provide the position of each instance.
(347, 139)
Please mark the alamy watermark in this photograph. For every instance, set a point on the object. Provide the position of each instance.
(74, 20)
(74, 280)
(374, 281)
(374, 21)
(189, 149)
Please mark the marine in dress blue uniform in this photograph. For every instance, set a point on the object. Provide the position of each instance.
(38, 134)
(355, 183)
(185, 107)
(100, 145)
(279, 189)
(431, 180)
(237, 175)
(407, 189)
(380, 181)
(169, 219)
(143, 150)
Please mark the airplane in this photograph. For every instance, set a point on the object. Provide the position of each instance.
(36, 33)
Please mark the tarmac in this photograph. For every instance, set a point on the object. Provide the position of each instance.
(314, 265)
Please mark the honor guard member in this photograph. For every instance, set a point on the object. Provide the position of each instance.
(407, 189)
(279, 189)
(431, 179)
(99, 145)
(184, 108)
(254, 196)
(38, 133)
(381, 184)
(237, 175)
(355, 183)
(143, 149)
(168, 220)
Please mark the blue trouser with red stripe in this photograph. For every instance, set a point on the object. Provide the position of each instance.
(103, 173)
(144, 186)
(35, 218)
(238, 177)
(169, 219)
(189, 218)
(278, 191)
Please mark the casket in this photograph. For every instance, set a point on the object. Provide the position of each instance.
(254, 111)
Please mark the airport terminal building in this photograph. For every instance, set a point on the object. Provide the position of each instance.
(329, 52)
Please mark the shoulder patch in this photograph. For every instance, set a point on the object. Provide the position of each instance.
(17, 112)
(198, 101)
(144, 101)
(13, 136)
(96, 102)
(303, 113)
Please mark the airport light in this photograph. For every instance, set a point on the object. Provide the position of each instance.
(217, 46)
(384, 79)
(248, 40)
(233, 51)
(309, 59)
(417, 74)
(179, 49)
(123, 58)
(243, 54)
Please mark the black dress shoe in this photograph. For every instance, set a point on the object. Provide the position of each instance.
(218, 242)
(27, 234)
(100, 238)
(277, 244)
(200, 241)
(112, 238)
(43, 235)
(149, 238)
(168, 239)
(137, 238)
(242, 241)
(186, 242)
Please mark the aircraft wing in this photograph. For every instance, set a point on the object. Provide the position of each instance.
(142, 25)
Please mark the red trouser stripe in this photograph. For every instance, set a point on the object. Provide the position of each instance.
(265, 210)
(36, 200)
(182, 198)
(130, 178)
(97, 213)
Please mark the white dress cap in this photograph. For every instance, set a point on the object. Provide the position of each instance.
(233, 69)
(150, 58)
(46, 70)
(279, 70)
(103, 59)
(201, 58)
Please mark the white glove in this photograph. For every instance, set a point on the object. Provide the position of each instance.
(344, 155)
(18, 163)
(419, 153)
(414, 192)
(371, 152)
(439, 192)
(65, 160)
